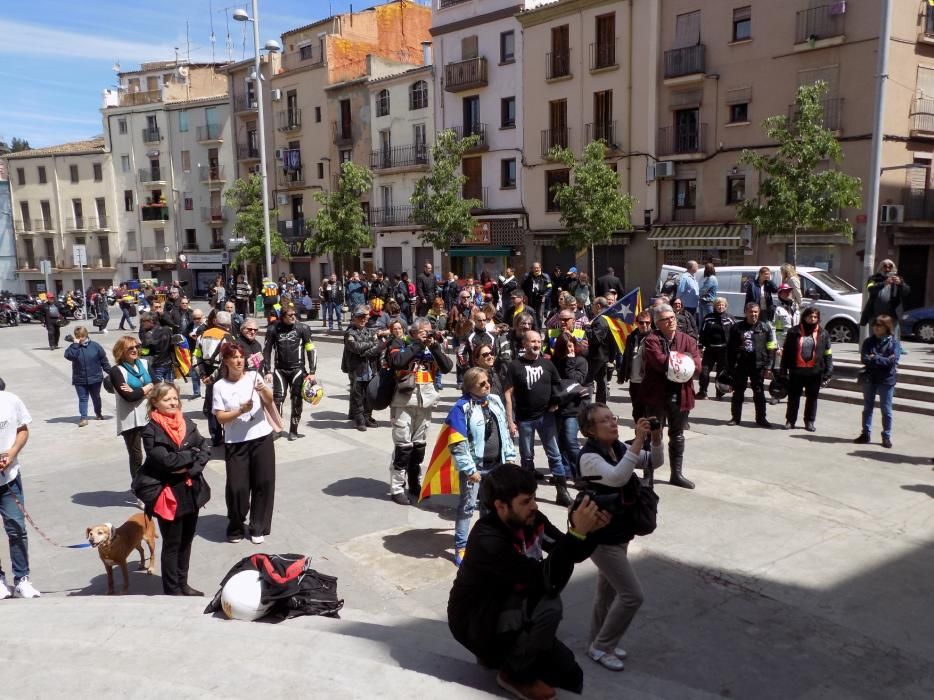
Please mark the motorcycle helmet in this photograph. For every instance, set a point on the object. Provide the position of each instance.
(241, 597)
(312, 392)
(376, 305)
(680, 367)
(724, 383)
(778, 388)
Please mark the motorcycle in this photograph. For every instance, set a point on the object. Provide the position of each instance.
(9, 316)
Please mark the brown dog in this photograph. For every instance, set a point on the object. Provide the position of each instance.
(115, 546)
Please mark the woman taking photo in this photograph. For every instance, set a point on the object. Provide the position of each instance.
(887, 292)
(132, 384)
(807, 362)
(175, 457)
(480, 420)
(880, 354)
(570, 368)
(619, 593)
(240, 402)
(88, 364)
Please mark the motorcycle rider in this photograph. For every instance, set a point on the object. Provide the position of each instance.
(157, 345)
(52, 318)
(715, 332)
(786, 316)
(291, 343)
(750, 357)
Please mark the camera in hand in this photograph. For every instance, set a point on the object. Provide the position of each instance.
(654, 423)
(610, 502)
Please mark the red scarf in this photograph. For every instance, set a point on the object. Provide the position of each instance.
(174, 425)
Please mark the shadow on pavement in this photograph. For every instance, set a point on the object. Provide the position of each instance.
(141, 583)
(421, 543)
(64, 419)
(919, 488)
(890, 457)
(827, 439)
(212, 527)
(359, 487)
(105, 499)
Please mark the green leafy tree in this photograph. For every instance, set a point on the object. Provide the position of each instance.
(438, 202)
(339, 226)
(592, 207)
(16, 145)
(796, 193)
(245, 197)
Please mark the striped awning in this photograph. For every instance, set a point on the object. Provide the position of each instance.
(699, 236)
(560, 239)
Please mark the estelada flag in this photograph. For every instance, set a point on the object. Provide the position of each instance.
(441, 477)
(621, 317)
(182, 359)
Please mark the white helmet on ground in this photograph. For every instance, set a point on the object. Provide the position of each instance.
(241, 596)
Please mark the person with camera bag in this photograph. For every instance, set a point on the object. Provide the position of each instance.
(505, 604)
(609, 464)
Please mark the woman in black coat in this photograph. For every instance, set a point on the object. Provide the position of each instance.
(574, 368)
(175, 457)
(807, 363)
(887, 292)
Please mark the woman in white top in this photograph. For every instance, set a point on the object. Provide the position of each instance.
(619, 593)
(131, 384)
(239, 400)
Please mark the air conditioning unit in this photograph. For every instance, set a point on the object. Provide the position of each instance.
(254, 105)
(891, 214)
(664, 168)
(276, 95)
(282, 200)
(278, 154)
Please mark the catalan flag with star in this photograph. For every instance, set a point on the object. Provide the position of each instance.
(442, 477)
(182, 359)
(621, 317)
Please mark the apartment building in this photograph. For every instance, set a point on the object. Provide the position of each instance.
(169, 132)
(583, 80)
(316, 126)
(478, 48)
(63, 196)
(401, 131)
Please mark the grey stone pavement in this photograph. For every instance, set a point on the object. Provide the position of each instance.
(801, 567)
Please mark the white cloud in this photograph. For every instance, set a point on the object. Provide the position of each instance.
(23, 39)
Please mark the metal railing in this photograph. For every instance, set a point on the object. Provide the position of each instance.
(685, 61)
(555, 138)
(294, 178)
(603, 54)
(211, 173)
(24, 226)
(683, 214)
(558, 64)
(675, 140)
(295, 231)
(602, 130)
(476, 129)
(76, 223)
(820, 22)
(464, 75)
(151, 175)
(343, 132)
(247, 152)
(210, 132)
(152, 135)
(289, 119)
(156, 253)
(833, 113)
(399, 157)
(919, 204)
(145, 97)
(209, 214)
(43, 224)
(481, 193)
(392, 216)
(154, 212)
(922, 114)
(100, 223)
(245, 103)
(444, 4)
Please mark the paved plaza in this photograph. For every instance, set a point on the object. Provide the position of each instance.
(800, 568)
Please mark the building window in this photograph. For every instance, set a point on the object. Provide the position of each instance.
(507, 47)
(73, 173)
(382, 103)
(742, 23)
(345, 156)
(98, 172)
(685, 194)
(191, 239)
(21, 176)
(125, 163)
(735, 189)
(186, 161)
(131, 240)
(320, 171)
(418, 95)
(121, 126)
(739, 113)
(317, 114)
(305, 52)
(604, 49)
(42, 175)
(553, 178)
(508, 113)
(189, 202)
(508, 173)
(127, 200)
(217, 238)
(183, 121)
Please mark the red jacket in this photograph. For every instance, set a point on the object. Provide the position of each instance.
(655, 365)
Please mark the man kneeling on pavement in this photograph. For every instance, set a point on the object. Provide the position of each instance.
(505, 605)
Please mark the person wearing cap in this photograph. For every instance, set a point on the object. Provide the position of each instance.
(362, 347)
(786, 317)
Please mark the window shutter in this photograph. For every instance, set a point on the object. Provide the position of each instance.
(737, 96)
(469, 47)
(687, 30)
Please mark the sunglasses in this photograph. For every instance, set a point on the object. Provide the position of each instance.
(134, 347)
(482, 384)
(289, 315)
(645, 323)
(486, 354)
(565, 320)
(248, 330)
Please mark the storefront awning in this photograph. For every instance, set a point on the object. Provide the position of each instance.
(698, 236)
(479, 252)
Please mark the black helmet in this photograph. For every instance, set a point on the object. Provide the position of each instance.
(778, 388)
(724, 383)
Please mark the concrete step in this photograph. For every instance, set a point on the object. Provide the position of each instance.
(925, 407)
(903, 390)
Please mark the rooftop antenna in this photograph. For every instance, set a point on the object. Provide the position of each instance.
(213, 37)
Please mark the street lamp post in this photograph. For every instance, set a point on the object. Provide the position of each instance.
(241, 16)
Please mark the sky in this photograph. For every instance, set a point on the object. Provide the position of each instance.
(56, 59)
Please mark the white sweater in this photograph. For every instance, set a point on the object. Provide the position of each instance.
(616, 475)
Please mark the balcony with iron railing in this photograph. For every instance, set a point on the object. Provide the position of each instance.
(157, 254)
(465, 75)
(245, 103)
(77, 223)
(686, 61)
(289, 120)
(555, 138)
(213, 214)
(43, 224)
(480, 193)
(291, 179)
(152, 135)
(343, 132)
(832, 111)
(401, 215)
(919, 204)
(151, 176)
(24, 226)
(818, 23)
(602, 130)
(476, 129)
(212, 174)
(154, 212)
(922, 117)
(247, 152)
(414, 156)
(558, 64)
(681, 140)
(210, 133)
(292, 229)
(603, 55)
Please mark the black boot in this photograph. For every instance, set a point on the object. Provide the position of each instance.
(562, 497)
(676, 457)
(414, 471)
(400, 463)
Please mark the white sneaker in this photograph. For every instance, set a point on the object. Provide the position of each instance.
(5, 591)
(608, 661)
(257, 539)
(24, 589)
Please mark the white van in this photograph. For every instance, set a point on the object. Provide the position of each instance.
(840, 303)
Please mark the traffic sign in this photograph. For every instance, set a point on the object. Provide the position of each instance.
(79, 255)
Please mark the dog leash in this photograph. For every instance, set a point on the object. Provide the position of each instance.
(44, 536)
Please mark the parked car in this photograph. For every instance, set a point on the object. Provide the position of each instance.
(840, 303)
(919, 324)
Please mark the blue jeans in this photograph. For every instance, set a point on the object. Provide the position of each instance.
(195, 382)
(332, 313)
(465, 509)
(548, 433)
(15, 525)
(568, 442)
(84, 391)
(885, 393)
(125, 318)
(162, 374)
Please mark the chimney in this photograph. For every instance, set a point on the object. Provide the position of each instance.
(426, 53)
